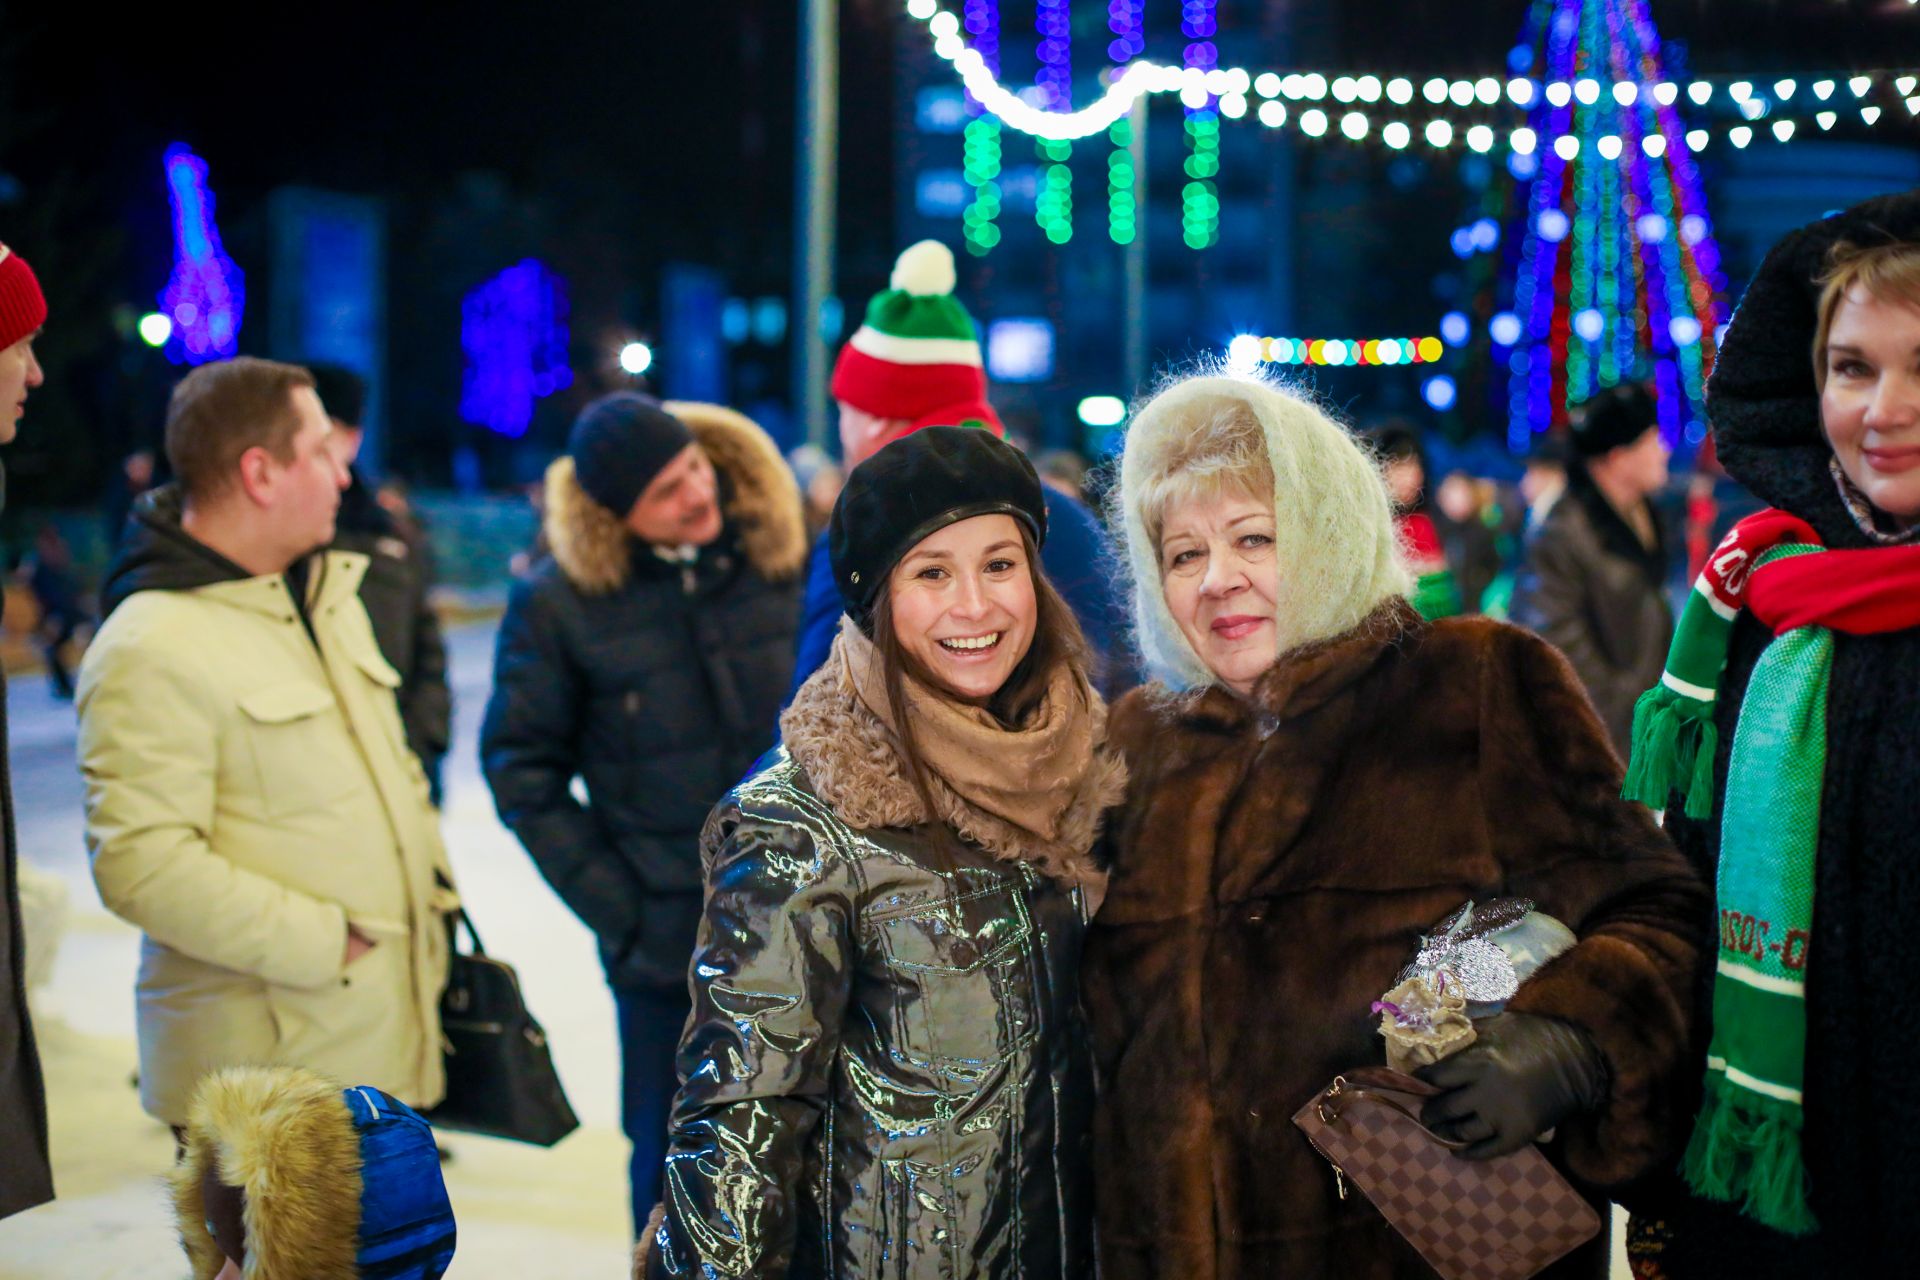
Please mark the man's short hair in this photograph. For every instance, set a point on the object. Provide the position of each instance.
(343, 393)
(221, 410)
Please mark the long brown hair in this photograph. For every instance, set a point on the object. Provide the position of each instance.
(1057, 639)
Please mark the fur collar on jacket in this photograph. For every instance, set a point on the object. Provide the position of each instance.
(1762, 397)
(1304, 679)
(593, 548)
(852, 763)
(284, 1137)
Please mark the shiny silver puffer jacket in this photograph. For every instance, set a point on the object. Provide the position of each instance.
(886, 1070)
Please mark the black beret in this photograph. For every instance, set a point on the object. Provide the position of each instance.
(915, 487)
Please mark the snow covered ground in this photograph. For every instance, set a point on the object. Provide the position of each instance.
(522, 1211)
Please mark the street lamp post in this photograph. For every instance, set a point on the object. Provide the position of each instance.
(816, 190)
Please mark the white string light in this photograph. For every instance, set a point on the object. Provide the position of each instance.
(1230, 87)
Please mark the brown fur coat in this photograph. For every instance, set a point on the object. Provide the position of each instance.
(1274, 865)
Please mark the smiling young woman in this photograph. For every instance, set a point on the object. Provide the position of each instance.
(887, 1045)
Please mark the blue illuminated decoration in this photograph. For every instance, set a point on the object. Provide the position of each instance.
(1020, 350)
(513, 329)
(207, 293)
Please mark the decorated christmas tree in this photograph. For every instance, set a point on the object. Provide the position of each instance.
(1611, 272)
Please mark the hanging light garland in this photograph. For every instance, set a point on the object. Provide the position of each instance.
(980, 141)
(1200, 197)
(1248, 350)
(1053, 205)
(1127, 20)
(1789, 107)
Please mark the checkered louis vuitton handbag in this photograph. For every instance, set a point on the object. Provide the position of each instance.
(1502, 1219)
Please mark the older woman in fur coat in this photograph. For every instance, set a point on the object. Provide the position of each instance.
(1318, 776)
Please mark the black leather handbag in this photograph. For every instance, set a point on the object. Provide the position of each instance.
(500, 1076)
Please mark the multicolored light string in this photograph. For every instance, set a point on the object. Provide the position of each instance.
(1250, 349)
(1200, 197)
(1127, 20)
(206, 294)
(981, 140)
(1618, 275)
(1053, 206)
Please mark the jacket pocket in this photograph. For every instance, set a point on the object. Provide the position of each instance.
(365, 1020)
(963, 971)
(301, 752)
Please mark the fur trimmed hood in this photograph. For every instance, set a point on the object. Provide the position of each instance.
(593, 548)
(285, 1137)
(1335, 537)
(337, 1184)
(853, 765)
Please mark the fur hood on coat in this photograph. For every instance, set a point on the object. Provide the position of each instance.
(851, 761)
(285, 1138)
(1334, 532)
(593, 548)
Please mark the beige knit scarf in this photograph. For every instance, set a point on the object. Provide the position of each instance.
(1033, 793)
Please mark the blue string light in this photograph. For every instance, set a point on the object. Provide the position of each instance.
(1200, 198)
(206, 293)
(1053, 207)
(982, 141)
(513, 329)
(1127, 20)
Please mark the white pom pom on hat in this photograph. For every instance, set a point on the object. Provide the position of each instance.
(924, 270)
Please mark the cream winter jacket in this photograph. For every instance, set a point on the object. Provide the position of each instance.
(249, 795)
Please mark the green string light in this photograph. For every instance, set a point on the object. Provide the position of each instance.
(1122, 201)
(1053, 210)
(981, 163)
(1199, 198)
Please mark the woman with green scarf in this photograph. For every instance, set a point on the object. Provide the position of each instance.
(1784, 742)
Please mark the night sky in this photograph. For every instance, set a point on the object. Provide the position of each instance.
(617, 137)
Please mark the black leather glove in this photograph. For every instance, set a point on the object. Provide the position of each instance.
(1522, 1075)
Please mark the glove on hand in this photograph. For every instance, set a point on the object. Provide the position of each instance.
(1523, 1075)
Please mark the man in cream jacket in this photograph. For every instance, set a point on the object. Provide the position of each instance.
(251, 802)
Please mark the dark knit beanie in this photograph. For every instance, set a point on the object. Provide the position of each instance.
(1617, 416)
(342, 392)
(915, 487)
(619, 443)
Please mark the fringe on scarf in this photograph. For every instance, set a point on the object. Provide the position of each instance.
(1745, 1150)
(1674, 744)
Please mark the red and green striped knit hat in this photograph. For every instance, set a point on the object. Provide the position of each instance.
(917, 356)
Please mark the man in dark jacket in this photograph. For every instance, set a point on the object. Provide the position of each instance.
(645, 655)
(26, 1175)
(916, 363)
(399, 579)
(1595, 578)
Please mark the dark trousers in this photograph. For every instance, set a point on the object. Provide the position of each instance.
(651, 1020)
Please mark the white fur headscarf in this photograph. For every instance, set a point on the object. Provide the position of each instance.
(1334, 534)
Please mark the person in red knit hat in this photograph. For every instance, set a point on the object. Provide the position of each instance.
(26, 1178)
(23, 309)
